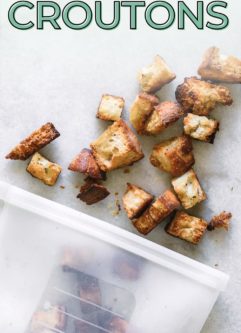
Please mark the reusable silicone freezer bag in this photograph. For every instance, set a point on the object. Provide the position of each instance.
(50, 254)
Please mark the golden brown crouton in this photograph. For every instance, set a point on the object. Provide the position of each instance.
(188, 189)
(164, 115)
(127, 266)
(200, 127)
(110, 107)
(33, 143)
(75, 259)
(46, 171)
(201, 97)
(187, 227)
(155, 76)
(141, 109)
(118, 146)
(136, 200)
(86, 164)
(220, 221)
(219, 67)
(174, 155)
(53, 318)
(92, 192)
(156, 213)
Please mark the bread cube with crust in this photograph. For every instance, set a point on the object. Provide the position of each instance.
(174, 156)
(110, 107)
(136, 200)
(53, 318)
(34, 142)
(219, 67)
(164, 115)
(92, 192)
(155, 76)
(200, 127)
(187, 227)
(188, 189)
(141, 109)
(201, 97)
(85, 163)
(46, 171)
(220, 221)
(117, 147)
(156, 212)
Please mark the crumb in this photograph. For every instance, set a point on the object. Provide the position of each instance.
(117, 210)
(116, 193)
(127, 170)
(62, 187)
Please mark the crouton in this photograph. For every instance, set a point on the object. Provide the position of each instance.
(174, 155)
(46, 171)
(127, 266)
(219, 67)
(33, 143)
(155, 76)
(89, 292)
(164, 115)
(92, 192)
(85, 163)
(136, 200)
(141, 109)
(75, 259)
(52, 318)
(117, 147)
(200, 127)
(85, 327)
(110, 108)
(201, 97)
(187, 227)
(188, 189)
(118, 325)
(156, 213)
(220, 221)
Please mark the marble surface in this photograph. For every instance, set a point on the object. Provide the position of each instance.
(59, 76)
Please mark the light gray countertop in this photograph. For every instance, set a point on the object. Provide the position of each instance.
(59, 76)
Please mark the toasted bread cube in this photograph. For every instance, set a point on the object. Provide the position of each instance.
(174, 155)
(155, 76)
(110, 107)
(85, 327)
(141, 109)
(201, 97)
(117, 147)
(187, 227)
(219, 67)
(200, 127)
(164, 115)
(220, 221)
(89, 292)
(46, 171)
(85, 163)
(75, 259)
(92, 192)
(34, 142)
(53, 318)
(118, 325)
(156, 213)
(136, 200)
(188, 189)
(127, 266)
